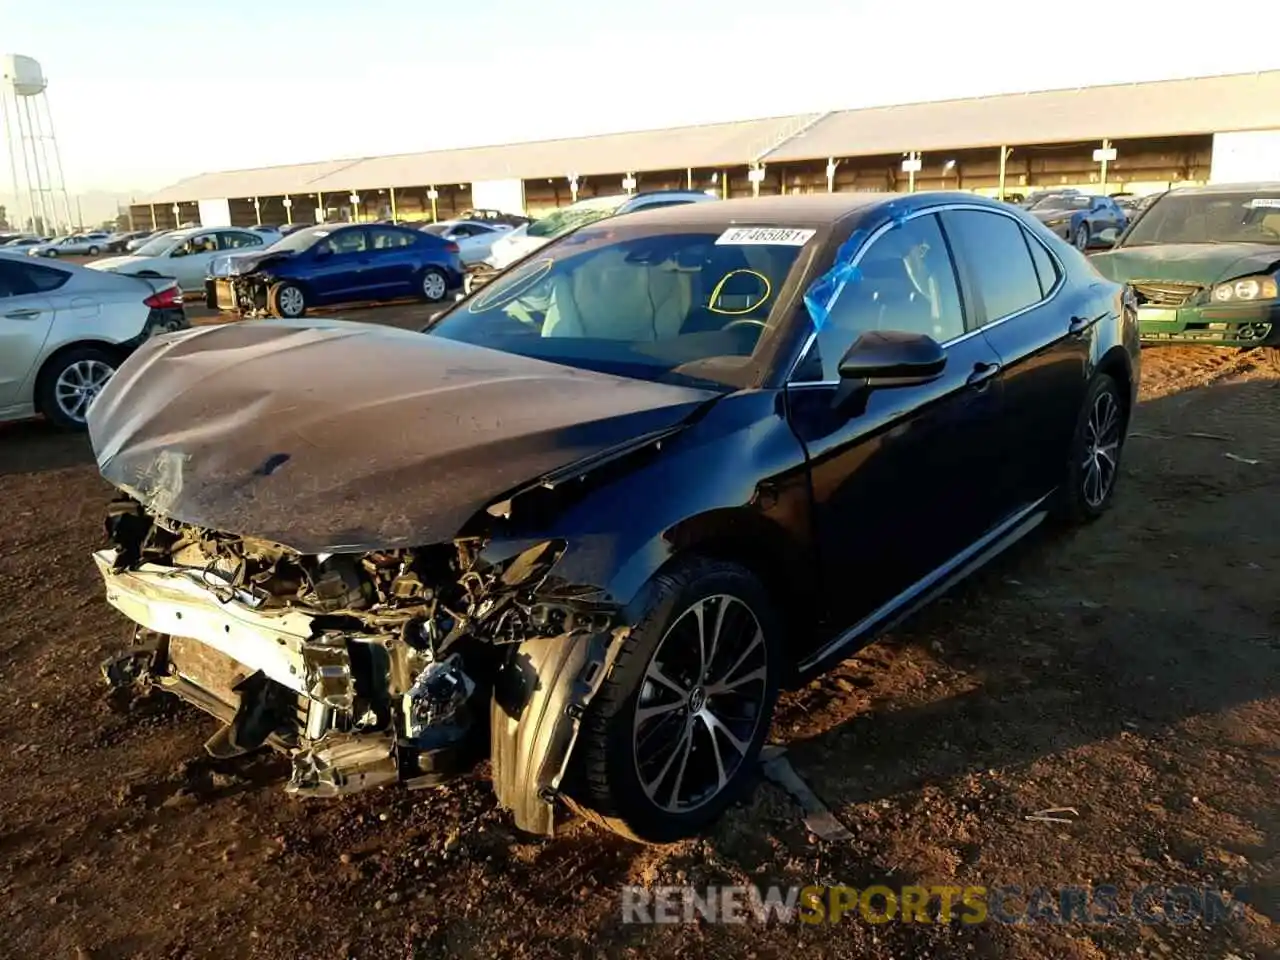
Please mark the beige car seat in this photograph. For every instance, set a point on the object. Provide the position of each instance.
(611, 299)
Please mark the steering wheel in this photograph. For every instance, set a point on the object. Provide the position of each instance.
(733, 323)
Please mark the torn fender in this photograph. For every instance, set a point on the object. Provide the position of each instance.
(540, 697)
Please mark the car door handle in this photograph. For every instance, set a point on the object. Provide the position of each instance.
(982, 374)
(1079, 325)
(22, 314)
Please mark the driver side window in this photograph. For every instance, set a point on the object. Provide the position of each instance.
(906, 282)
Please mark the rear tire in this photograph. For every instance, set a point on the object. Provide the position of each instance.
(697, 730)
(93, 251)
(287, 300)
(1096, 445)
(433, 285)
(70, 383)
(1081, 237)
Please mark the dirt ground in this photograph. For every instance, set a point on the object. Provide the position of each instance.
(1130, 670)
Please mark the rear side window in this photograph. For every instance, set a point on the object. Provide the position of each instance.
(236, 241)
(994, 248)
(1046, 267)
(17, 279)
(43, 279)
(385, 239)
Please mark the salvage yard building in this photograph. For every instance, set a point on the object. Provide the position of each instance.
(1137, 137)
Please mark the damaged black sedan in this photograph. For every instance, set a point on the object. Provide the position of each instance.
(592, 519)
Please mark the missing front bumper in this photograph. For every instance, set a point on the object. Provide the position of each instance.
(275, 678)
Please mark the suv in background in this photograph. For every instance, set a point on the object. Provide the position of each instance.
(524, 240)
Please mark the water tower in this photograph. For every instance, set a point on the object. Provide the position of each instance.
(39, 191)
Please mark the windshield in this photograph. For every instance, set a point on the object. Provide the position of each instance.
(300, 240)
(1063, 202)
(576, 215)
(656, 303)
(1209, 218)
(157, 246)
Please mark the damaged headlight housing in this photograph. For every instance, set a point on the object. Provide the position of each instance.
(1246, 289)
(220, 266)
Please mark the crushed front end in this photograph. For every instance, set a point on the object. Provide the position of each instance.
(246, 295)
(367, 669)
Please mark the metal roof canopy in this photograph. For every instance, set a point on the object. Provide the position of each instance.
(1159, 108)
(707, 145)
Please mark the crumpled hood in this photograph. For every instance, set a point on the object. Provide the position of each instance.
(1203, 263)
(239, 264)
(329, 436)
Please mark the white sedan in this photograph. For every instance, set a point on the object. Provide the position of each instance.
(474, 239)
(185, 255)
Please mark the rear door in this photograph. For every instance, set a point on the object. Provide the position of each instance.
(26, 316)
(901, 477)
(1024, 309)
(391, 269)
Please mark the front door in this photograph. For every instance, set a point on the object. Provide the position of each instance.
(340, 271)
(902, 477)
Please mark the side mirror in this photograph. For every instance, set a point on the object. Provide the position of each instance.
(322, 252)
(893, 358)
(179, 252)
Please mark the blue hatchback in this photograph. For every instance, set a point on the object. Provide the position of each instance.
(328, 264)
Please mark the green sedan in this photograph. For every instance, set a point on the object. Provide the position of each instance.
(1203, 263)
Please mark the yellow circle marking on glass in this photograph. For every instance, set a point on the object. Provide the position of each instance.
(715, 293)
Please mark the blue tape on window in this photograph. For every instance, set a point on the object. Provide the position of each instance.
(823, 292)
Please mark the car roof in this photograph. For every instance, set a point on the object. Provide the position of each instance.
(1256, 186)
(809, 209)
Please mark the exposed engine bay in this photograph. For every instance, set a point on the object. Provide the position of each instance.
(366, 669)
(246, 294)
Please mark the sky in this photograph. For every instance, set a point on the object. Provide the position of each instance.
(144, 93)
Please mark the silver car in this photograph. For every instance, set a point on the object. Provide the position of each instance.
(65, 329)
(76, 245)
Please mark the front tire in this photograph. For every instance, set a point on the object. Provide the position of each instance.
(287, 300)
(68, 385)
(51, 253)
(1082, 237)
(433, 285)
(1094, 464)
(673, 736)
(93, 251)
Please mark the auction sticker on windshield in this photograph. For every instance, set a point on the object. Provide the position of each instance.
(1271, 202)
(784, 236)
